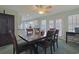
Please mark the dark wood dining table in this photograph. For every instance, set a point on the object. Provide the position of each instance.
(33, 39)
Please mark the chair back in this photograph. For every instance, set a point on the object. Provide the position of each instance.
(56, 33)
(52, 29)
(42, 33)
(14, 41)
(29, 31)
(49, 35)
(37, 30)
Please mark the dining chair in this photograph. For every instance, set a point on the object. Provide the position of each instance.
(53, 38)
(42, 32)
(56, 37)
(52, 29)
(46, 42)
(18, 48)
(37, 30)
(29, 31)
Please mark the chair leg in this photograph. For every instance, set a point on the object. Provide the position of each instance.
(57, 43)
(13, 50)
(54, 46)
(36, 49)
(45, 50)
(51, 49)
(30, 51)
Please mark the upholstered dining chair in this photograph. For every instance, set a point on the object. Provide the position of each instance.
(29, 31)
(42, 32)
(18, 48)
(37, 30)
(56, 37)
(47, 42)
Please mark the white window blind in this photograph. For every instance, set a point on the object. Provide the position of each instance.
(73, 22)
(24, 25)
(51, 23)
(43, 24)
(58, 26)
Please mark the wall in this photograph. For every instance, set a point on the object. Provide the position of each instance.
(17, 17)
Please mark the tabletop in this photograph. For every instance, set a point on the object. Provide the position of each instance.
(33, 37)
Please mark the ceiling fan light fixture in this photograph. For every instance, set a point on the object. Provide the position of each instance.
(42, 9)
(41, 12)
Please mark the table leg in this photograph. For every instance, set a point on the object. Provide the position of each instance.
(36, 49)
(66, 37)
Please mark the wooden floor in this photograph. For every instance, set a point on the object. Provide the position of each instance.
(69, 48)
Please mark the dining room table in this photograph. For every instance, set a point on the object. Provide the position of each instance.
(33, 39)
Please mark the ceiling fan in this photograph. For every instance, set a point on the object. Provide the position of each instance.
(41, 9)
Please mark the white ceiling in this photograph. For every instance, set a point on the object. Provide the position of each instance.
(27, 10)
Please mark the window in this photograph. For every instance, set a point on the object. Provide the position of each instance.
(51, 23)
(35, 23)
(73, 21)
(25, 25)
(58, 25)
(43, 24)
